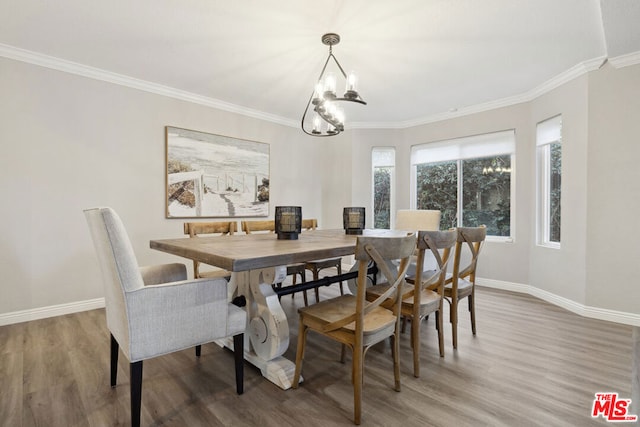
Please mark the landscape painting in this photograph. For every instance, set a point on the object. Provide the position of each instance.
(215, 176)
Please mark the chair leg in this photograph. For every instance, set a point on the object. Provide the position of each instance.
(472, 310)
(454, 323)
(302, 337)
(396, 358)
(415, 344)
(440, 332)
(114, 361)
(316, 276)
(339, 268)
(238, 355)
(358, 364)
(198, 350)
(136, 392)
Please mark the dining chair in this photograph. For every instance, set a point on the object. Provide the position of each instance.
(462, 282)
(152, 311)
(424, 294)
(293, 270)
(316, 266)
(218, 228)
(414, 220)
(355, 322)
(417, 219)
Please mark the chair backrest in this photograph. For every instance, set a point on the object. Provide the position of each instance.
(253, 226)
(382, 251)
(417, 219)
(474, 238)
(440, 244)
(216, 227)
(193, 229)
(309, 224)
(119, 267)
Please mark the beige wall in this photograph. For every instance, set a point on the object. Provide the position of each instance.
(613, 180)
(562, 271)
(71, 142)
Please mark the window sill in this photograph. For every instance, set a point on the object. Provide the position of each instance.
(499, 239)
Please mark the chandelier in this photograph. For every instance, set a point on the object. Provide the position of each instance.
(325, 102)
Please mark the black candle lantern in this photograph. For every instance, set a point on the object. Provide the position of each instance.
(288, 222)
(353, 220)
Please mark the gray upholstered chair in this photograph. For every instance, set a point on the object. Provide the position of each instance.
(152, 311)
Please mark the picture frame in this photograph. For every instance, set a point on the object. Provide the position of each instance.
(215, 176)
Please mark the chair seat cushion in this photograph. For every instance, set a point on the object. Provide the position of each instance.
(316, 316)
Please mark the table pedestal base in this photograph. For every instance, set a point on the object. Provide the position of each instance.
(278, 370)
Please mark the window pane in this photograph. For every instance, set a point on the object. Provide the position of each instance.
(554, 191)
(486, 193)
(382, 197)
(437, 188)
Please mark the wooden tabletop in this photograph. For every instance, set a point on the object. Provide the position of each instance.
(241, 252)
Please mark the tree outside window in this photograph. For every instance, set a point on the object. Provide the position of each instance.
(383, 161)
(485, 189)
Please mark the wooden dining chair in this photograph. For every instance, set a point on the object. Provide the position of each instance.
(355, 322)
(294, 270)
(423, 294)
(316, 266)
(462, 282)
(219, 228)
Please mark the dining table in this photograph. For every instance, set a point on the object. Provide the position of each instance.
(256, 262)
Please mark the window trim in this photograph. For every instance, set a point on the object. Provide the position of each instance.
(548, 132)
(392, 184)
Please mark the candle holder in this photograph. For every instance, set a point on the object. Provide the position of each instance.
(288, 222)
(353, 220)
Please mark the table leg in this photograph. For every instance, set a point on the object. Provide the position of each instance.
(267, 336)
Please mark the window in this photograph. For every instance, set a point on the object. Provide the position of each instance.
(468, 179)
(383, 160)
(549, 171)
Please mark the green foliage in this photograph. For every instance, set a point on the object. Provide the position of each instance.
(555, 196)
(485, 195)
(436, 188)
(382, 198)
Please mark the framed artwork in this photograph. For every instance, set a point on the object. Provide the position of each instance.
(211, 175)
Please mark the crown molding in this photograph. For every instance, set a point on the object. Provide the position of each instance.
(58, 64)
(131, 82)
(621, 61)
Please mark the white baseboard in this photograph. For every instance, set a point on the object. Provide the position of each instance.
(50, 311)
(581, 309)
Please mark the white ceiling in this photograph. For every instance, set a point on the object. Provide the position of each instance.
(416, 59)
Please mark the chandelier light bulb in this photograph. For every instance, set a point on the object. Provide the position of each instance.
(330, 86)
(316, 124)
(351, 90)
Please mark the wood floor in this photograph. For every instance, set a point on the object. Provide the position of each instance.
(531, 364)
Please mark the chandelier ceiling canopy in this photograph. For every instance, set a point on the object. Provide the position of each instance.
(328, 115)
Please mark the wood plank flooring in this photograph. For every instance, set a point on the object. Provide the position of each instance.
(531, 364)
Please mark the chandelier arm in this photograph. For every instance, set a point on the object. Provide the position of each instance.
(337, 63)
